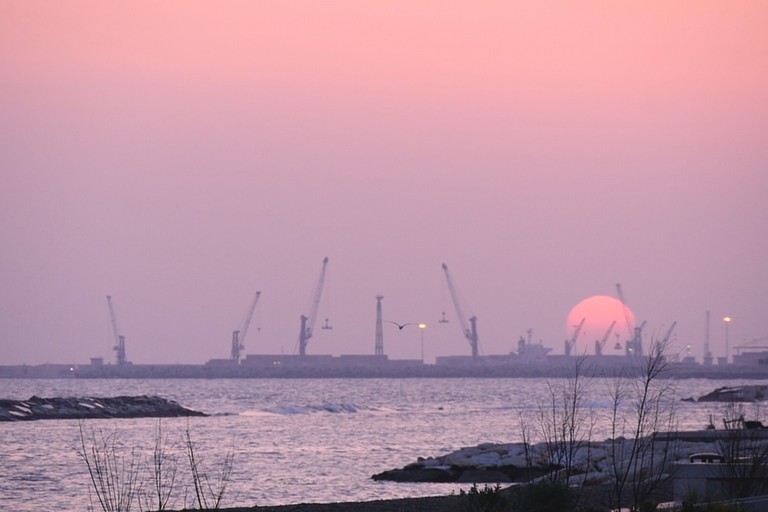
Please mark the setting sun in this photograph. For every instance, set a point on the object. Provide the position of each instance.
(599, 314)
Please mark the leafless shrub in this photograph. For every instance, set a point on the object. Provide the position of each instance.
(640, 464)
(115, 475)
(116, 472)
(209, 492)
(566, 424)
(164, 466)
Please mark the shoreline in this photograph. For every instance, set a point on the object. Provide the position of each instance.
(422, 504)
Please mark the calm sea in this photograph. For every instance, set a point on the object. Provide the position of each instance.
(294, 440)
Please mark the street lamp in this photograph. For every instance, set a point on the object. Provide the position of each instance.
(727, 321)
(422, 326)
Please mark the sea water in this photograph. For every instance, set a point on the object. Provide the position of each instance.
(293, 440)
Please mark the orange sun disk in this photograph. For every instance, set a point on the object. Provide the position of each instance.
(599, 312)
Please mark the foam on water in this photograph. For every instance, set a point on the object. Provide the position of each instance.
(334, 408)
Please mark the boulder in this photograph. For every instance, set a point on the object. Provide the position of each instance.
(419, 474)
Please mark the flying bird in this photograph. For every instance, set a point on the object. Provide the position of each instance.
(399, 326)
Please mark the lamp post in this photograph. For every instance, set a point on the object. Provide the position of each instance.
(422, 326)
(727, 321)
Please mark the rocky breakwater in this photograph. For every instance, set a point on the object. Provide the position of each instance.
(593, 462)
(487, 462)
(37, 408)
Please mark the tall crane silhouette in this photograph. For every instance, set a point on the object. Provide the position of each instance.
(238, 337)
(571, 342)
(634, 345)
(308, 322)
(119, 347)
(470, 331)
(599, 344)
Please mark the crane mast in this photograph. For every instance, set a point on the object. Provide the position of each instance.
(238, 337)
(379, 334)
(470, 331)
(119, 347)
(308, 322)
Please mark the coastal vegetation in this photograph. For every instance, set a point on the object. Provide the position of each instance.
(124, 478)
(636, 467)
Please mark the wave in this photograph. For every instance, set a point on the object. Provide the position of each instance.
(332, 408)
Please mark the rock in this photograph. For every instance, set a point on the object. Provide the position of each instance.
(430, 474)
(484, 463)
(752, 393)
(92, 407)
(479, 460)
(593, 463)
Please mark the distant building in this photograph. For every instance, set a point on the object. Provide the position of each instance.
(751, 358)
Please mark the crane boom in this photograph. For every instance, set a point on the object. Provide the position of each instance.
(247, 323)
(238, 337)
(625, 310)
(601, 343)
(112, 317)
(308, 323)
(571, 342)
(470, 331)
(119, 339)
(668, 334)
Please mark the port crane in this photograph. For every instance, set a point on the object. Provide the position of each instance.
(634, 345)
(625, 310)
(599, 344)
(119, 338)
(238, 337)
(470, 331)
(668, 334)
(308, 322)
(571, 342)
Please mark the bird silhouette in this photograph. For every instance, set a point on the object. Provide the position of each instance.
(399, 326)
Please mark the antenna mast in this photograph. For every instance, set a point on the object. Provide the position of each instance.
(379, 349)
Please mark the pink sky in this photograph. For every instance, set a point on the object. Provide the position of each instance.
(180, 156)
